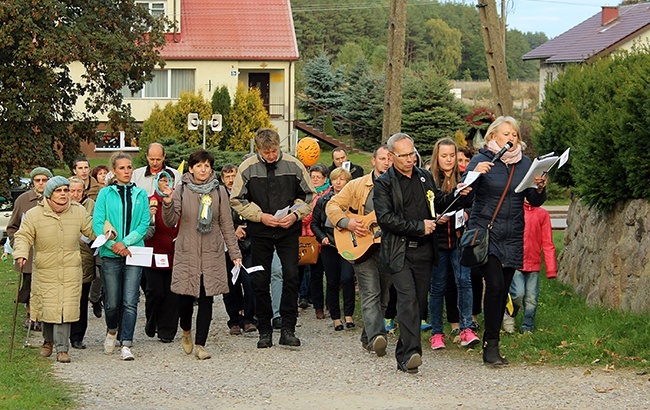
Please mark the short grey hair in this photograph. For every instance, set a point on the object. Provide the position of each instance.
(397, 137)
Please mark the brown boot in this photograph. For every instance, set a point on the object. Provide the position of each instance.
(63, 357)
(320, 314)
(46, 349)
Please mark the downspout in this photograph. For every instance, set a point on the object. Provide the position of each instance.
(290, 105)
(174, 26)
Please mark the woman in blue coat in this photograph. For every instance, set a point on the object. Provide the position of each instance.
(507, 234)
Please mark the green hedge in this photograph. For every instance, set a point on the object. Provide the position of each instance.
(602, 111)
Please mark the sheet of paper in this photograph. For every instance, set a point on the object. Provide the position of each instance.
(253, 268)
(140, 256)
(235, 274)
(161, 260)
(564, 157)
(469, 180)
(101, 240)
(537, 168)
(281, 213)
(85, 239)
(346, 166)
(460, 218)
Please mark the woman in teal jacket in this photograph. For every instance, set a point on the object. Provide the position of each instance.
(123, 210)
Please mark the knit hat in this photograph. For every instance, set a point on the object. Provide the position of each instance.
(40, 171)
(53, 184)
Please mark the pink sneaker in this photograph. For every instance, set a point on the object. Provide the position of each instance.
(437, 342)
(468, 338)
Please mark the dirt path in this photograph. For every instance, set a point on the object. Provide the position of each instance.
(331, 371)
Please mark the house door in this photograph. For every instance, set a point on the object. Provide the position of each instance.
(261, 82)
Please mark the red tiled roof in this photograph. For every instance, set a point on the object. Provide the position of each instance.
(233, 30)
(590, 38)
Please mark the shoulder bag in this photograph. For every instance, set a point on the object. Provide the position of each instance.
(475, 243)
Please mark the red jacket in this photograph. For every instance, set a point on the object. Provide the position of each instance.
(538, 238)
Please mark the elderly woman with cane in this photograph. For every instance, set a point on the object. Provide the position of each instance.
(53, 228)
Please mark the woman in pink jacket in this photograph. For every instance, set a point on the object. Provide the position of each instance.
(538, 239)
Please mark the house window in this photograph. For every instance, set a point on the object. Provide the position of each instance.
(115, 141)
(165, 84)
(156, 9)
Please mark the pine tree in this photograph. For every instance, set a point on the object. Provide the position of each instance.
(221, 105)
(323, 86)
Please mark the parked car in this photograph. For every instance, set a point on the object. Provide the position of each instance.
(7, 205)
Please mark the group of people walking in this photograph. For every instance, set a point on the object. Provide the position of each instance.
(239, 236)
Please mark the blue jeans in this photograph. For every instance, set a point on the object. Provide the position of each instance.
(525, 288)
(449, 263)
(122, 290)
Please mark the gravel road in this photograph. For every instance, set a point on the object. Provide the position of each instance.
(330, 371)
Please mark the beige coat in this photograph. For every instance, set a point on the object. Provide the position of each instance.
(199, 254)
(56, 277)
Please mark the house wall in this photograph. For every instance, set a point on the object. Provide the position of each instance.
(210, 75)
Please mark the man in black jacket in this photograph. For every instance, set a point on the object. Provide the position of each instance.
(267, 183)
(405, 199)
(339, 156)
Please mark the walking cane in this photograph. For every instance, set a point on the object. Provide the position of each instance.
(13, 326)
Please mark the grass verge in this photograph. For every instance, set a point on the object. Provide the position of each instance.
(570, 333)
(25, 382)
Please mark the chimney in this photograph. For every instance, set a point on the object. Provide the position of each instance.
(610, 13)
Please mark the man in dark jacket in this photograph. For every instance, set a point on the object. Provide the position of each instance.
(339, 156)
(268, 186)
(404, 201)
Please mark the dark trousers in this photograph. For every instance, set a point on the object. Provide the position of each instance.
(391, 310)
(316, 283)
(340, 275)
(497, 285)
(203, 316)
(412, 285)
(161, 304)
(78, 328)
(240, 296)
(477, 291)
(262, 250)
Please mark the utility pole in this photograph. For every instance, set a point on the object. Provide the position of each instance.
(493, 38)
(394, 69)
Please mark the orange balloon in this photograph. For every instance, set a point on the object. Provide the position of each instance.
(308, 151)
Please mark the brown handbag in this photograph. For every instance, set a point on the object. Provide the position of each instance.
(308, 249)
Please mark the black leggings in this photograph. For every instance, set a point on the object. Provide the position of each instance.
(203, 316)
(497, 284)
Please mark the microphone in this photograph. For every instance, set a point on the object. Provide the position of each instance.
(503, 150)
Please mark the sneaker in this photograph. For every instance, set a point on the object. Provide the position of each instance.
(437, 342)
(303, 303)
(109, 343)
(411, 365)
(250, 328)
(288, 338)
(379, 345)
(266, 340)
(476, 326)
(186, 342)
(468, 338)
(424, 326)
(126, 354)
(455, 335)
(235, 330)
(201, 353)
(508, 323)
(390, 325)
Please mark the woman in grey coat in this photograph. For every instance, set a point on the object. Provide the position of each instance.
(201, 207)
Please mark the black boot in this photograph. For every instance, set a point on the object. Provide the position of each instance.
(266, 340)
(288, 338)
(491, 353)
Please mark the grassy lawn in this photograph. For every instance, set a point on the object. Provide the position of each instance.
(570, 333)
(25, 382)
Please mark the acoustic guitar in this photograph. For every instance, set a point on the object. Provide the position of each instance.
(355, 248)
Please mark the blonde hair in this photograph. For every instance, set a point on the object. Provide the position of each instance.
(340, 172)
(489, 134)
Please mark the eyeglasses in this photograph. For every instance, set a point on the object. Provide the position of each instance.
(407, 155)
(40, 180)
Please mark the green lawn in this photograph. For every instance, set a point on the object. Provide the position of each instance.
(25, 382)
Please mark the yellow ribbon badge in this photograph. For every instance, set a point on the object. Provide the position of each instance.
(206, 200)
(431, 197)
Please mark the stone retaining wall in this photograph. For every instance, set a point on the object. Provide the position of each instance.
(606, 257)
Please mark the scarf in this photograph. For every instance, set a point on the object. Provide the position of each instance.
(127, 202)
(58, 209)
(204, 219)
(510, 157)
(324, 187)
